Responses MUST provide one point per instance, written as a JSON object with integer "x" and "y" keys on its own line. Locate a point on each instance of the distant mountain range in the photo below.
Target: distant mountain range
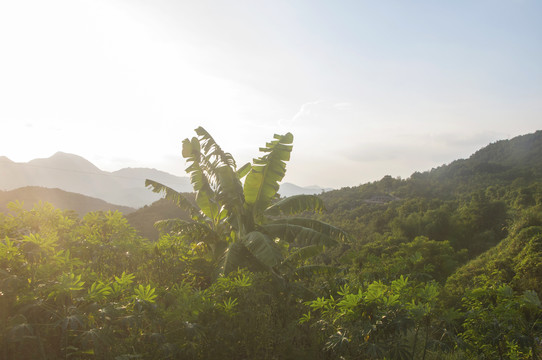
{"x": 126, "y": 187}
{"x": 355, "y": 208}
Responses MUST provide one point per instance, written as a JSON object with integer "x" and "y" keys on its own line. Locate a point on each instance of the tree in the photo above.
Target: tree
{"x": 502, "y": 324}
{"x": 244, "y": 224}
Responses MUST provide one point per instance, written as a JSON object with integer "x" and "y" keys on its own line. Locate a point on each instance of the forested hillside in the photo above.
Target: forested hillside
{"x": 144, "y": 218}
{"x": 446, "y": 264}
{"x": 467, "y": 208}
{"x": 454, "y": 202}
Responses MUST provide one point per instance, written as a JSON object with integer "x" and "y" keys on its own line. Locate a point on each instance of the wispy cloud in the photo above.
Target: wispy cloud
{"x": 304, "y": 110}
{"x": 317, "y": 111}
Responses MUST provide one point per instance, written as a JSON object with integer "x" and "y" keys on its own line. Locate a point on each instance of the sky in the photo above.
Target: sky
{"x": 368, "y": 88}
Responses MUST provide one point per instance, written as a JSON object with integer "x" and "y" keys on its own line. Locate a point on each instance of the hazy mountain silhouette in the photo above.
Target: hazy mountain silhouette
{"x": 74, "y": 173}
{"x": 289, "y": 189}
{"x": 81, "y": 204}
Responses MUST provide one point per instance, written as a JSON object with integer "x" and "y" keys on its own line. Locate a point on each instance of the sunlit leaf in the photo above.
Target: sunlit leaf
{"x": 295, "y": 205}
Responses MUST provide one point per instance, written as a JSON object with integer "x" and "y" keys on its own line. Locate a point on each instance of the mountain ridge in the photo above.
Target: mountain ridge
{"x": 29, "y": 196}
{"x": 74, "y": 173}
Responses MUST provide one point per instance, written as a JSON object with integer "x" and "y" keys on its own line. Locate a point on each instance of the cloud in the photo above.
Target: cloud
{"x": 307, "y": 109}
{"x": 319, "y": 113}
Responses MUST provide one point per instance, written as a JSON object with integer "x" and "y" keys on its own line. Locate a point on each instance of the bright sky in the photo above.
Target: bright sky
{"x": 368, "y": 88}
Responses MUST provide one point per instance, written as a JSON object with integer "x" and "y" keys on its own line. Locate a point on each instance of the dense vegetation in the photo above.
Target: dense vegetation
{"x": 444, "y": 265}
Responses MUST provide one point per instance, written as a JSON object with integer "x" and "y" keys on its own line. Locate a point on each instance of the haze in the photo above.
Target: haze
{"x": 368, "y": 88}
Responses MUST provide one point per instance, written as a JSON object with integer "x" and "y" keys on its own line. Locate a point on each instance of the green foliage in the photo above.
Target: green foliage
{"x": 294, "y": 205}
{"x": 444, "y": 265}
{"x": 262, "y": 182}
{"x": 501, "y": 324}
{"x": 232, "y": 219}
{"x": 375, "y": 320}
{"x": 56, "y": 303}
{"x": 516, "y": 261}
{"x": 144, "y": 293}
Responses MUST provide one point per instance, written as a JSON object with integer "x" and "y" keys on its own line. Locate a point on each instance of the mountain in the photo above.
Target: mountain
{"x": 289, "y": 189}
{"x": 361, "y": 208}
{"x": 134, "y": 191}
{"x": 469, "y": 202}
{"x": 75, "y": 174}
{"x": 126, "y": 186}
{"x": 497, "y": 164}
{"x": 525, "y": 149}
{"x": 60, "y": 199}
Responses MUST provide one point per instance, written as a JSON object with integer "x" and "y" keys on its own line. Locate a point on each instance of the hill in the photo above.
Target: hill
{"x": 467, "y": 202}
{"x": 143, "y": 219}
{"x": 74, "y": 173}
{"x": 516, "y": 260}
{"x": 501, "y": 163}
{"x": 446, "y": 264}
{"x": 470, "y": 204}
{"x": 61, "y": 199}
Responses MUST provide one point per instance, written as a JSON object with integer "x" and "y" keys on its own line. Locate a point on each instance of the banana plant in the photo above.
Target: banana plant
{"x": 237, "y": 212}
